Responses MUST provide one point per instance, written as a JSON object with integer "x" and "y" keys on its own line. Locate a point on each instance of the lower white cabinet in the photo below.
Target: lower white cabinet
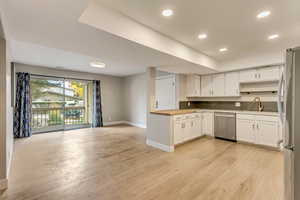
{"x": 179, "y": 127}
{"x": 208, "y": 123}
{"x": 191, "y": 126}
{"x": 262, "y": 130}
{"x": 245, "y": 130}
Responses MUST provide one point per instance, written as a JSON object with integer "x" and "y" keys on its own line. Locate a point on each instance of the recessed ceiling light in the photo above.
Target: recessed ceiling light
{"x": 263, "y": 14}
{"x": 167, "y": 12}
{"x": 223, "y": 49}
{"x": 272, "y": 37}
{"x": 97, "y": 64}
{"x": 202, "y": 36}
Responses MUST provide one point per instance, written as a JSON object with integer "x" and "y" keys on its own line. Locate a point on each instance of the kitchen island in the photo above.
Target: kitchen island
{"x": 168, "y": 128}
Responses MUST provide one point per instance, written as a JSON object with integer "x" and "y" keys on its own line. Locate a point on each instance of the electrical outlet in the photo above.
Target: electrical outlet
{"x": 237, "y": 104}
{"x": 109, "y": 118}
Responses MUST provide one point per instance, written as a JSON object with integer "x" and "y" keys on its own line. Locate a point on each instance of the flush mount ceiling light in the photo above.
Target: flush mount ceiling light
{"x": 97, "y": 64}
{"x": 263, "y": 14}
{"x": 272, "y": 37}
{"x": 223, "y": 49}
{"x": 167, "y": 12}
{"x": 202, "y": 36}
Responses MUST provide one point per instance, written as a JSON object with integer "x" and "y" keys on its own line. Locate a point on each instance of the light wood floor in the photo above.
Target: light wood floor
{"x": 114, "y": 163}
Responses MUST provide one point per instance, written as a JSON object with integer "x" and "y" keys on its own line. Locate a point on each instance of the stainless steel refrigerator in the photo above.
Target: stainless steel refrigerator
{"x": 289, "y": 109}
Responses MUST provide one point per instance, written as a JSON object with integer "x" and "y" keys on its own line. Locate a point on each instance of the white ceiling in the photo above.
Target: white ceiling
{"x": 232, "y": 24}
{"x": 48, "y": 33}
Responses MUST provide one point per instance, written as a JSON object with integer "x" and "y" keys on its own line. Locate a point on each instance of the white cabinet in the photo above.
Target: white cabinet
{"x": 248, "y": 76}
{"x": 245, "y": 129}
{"x": 165, "y": 94}
{"x": 258, "y": 129}
{"x": 267, "y": 133}
{"x": 260, "y": 75}
{"x": 206, "y": 86}
{"x": 190, "y": 126}
{"x": 193, "y": 86}
{"x": 232, "y": 85}
{"x": 268, "y": 73}
{"x": 178, "y": 132}
{"x": 218, "y": 89}
{"x": 208, "y": 123}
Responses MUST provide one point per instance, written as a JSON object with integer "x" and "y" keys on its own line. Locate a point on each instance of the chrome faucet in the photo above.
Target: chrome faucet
{"x": 260, "y": 106}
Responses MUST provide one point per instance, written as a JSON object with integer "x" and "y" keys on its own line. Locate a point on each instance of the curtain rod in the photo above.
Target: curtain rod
{"x": 59, "y": 77}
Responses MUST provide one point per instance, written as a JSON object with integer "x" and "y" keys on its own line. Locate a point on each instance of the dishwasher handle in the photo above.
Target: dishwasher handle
{"x": 224, "y": 115}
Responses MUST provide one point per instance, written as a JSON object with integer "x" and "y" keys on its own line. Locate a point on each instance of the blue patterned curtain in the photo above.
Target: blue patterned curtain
{"x": 22, "y": 112}
{"x": 98, "y": 121}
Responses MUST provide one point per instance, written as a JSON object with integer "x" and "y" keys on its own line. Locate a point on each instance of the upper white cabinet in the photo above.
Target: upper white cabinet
{"x": 248, "y": 76}
{"x": 229, "y": 84}
{"x": 218, "y": 82}
{"x": 193, "y": 86}
{"x": 260, "y": 75}
{"x": 232, "y": 84}
{"x": 165, "y": 93}
{"x": 269, "y": 73}
{"x": 206, "y": 86}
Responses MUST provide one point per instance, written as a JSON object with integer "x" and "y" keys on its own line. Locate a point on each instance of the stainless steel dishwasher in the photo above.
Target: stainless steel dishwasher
{"x": 225, "y": 125}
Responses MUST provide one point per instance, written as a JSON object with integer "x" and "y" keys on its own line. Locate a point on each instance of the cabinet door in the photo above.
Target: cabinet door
{"x": 268, "y": 74}
{"x": 232, "y": 85}
{"x": 248, "y": 76}
{"x": 188, "y": 130}
{"x": 218, "y": 85}
{"x": 207, "y": 124}
{"x": 245, "y": 130}
{"x": 197, "y": 127}
{"x": 193, "y": 86}
{"x": 165, "y": 93}
{"x": 178, "y": 132}
{"x": 206, "y": 86}
{"x": 267, "y": 133}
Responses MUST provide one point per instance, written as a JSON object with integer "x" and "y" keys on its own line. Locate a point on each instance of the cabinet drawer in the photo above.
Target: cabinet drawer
{"x": 267, "y": 118}
{"x": 178, "y": 117}
{"x": 246, "y": 117}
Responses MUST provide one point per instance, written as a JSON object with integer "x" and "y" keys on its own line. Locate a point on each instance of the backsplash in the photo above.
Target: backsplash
{"x": 228, "y": 105}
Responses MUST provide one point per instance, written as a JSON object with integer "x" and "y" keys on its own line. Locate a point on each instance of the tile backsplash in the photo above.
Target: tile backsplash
{"x": 228, "y": 105}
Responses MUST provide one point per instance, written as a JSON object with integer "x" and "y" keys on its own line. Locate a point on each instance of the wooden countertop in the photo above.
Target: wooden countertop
{"x": 188, "y": 111}
{"x": 173, "y": 112}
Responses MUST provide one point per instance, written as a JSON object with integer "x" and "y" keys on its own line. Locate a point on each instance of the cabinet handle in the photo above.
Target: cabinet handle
{"x": 156, "y": 104}
{"x": 192, "y": 123}
{"x": 257, "y": 126}
{"x": 182, "y": 125}
{"x": 258, "y": 75}
{"x": 253, "y": 126}
{"x": 255, "y": 75}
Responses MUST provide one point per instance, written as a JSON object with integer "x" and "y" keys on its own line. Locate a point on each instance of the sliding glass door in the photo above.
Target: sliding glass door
{"x": 60, "y": 104}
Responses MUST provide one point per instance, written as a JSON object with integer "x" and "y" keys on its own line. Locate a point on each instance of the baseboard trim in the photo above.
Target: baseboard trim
{"x": 157, "y": 145}
{"x": 124, "y": 122}
{"x": 136, "y": 125}
{"x": 113, "y": 123}
{"x": 3, "y": 184}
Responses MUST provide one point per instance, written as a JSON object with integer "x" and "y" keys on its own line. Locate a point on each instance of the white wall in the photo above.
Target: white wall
{"x": 9, "y": 112}
{"x": 135, "y": 99}
{"x": 6, "y": 114}
{"x": 111, "y": 86}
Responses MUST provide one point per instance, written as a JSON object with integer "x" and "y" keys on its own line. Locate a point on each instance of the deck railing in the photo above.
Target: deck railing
{"x": 47, "y": 117}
